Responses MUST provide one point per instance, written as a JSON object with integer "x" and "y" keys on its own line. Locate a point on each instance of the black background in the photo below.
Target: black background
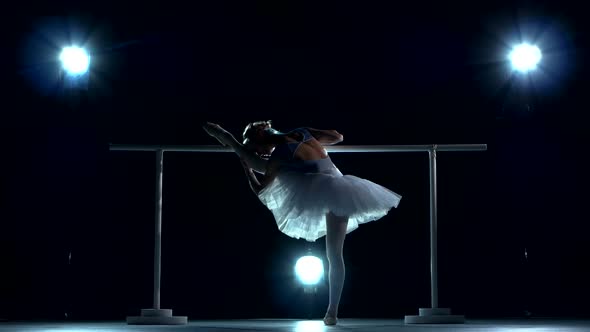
{"x": 378, "y": 72}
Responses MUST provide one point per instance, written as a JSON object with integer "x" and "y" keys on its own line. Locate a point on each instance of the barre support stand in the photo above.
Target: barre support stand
{"x": 155, "y": 315}
{"x": 433, "y": 315}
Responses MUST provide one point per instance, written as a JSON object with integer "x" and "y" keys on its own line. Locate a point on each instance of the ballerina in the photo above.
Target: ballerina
{"x": 307, "y": 194}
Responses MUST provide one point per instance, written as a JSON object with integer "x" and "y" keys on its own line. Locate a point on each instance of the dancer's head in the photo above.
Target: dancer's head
{"x": 257, "y": 137}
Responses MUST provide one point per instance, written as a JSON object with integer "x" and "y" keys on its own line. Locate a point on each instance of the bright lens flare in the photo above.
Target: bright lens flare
{"x": 525, "y": 57}
{"x": 309, "y": 270}
{"x": 74, "y": 60}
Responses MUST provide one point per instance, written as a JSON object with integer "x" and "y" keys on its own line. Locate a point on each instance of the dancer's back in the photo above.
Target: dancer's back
{"x": 301, "y": 145}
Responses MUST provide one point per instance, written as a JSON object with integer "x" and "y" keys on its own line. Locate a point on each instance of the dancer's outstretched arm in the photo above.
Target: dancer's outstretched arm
{"x": 227, "y": 139}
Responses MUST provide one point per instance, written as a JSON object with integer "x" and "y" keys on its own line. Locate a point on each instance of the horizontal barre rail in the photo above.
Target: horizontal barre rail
{"x": 332, "y": 148}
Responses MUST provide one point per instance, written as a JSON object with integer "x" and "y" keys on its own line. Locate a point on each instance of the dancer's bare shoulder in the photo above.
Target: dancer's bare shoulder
{"x": 326, "y": 137}
{"x": 311, "y": 150}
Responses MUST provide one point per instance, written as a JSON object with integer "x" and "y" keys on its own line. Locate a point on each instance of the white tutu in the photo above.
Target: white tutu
{"x": 303, "y": 192}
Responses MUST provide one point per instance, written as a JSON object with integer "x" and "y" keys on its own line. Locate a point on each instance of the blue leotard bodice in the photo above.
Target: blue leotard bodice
{"x": 286, "y": 151}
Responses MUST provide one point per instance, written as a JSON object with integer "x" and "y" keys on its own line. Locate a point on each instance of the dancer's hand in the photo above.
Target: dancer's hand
{"x": 213, "y": 129}
{"x": 216, "y": 131}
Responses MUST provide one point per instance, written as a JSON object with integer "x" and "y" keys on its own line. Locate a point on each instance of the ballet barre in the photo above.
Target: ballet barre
{"x": 432, "y": 315}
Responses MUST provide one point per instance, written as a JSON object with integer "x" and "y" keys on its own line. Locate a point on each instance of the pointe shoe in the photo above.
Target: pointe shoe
{"x": 329, "y": 320}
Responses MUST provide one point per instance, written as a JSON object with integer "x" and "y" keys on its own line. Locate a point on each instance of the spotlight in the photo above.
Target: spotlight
{"x": 75, "y": 63}
{"x": 75, "y": 60}
{"x": 309, "y": 270}
{"x": 525, "y": 57}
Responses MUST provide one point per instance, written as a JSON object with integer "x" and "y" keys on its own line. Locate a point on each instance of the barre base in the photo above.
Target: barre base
{"x": 434, "y": 316}
{"x": 157, "y": 317}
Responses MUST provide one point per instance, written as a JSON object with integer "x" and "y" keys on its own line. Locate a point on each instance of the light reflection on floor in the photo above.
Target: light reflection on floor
{"x": 288, "y": 325}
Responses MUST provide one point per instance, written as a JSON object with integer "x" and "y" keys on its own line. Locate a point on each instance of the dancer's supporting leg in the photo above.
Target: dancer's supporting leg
{"x": 336, "y": 232}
